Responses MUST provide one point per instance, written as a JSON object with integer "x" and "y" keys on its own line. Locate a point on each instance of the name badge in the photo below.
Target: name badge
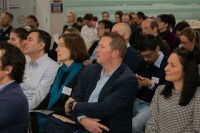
{"x": 155, "y": 80}
{"x": 66, "y": 90}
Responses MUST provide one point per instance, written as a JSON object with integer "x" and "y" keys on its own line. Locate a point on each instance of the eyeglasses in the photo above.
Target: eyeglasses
{"x": 148, "y": 55}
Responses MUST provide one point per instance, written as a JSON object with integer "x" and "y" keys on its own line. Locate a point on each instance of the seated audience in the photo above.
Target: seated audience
{"x": 118, "y": 16}
{"x": 13, "y": 102}
{"x": 175, "y": 105}
{"x": 150, "y": 26}
{"x": 103, "y": 26}
{"x": 32, "y": 22}
{"x": 6, "y": 26}
{"x": 71, "y": 52}
{"x": 105, "y": 15}
{"x": 71, "y": 21}
{"x": 80, "y": 23}
{"x": 190, "y": 40}
{"x": 164, "y": 22}
{"x": 40, "y": 70}
{"x": 103, "y": 99}
{"x": 18, "y": 37}
{"x": 149, "y": 75}
{"x": 180, "y": 26}
{"x": 88, "y": 32}
{"x": 178, "y": 29}
{"x": 140, "y": 17}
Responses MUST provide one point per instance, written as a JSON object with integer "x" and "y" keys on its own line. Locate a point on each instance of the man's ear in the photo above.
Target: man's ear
{"x": 8, "y": 69}
{"x": 126, "y": 35}
{"x": 42, "y": 45}
{"x": 115, "y": 53}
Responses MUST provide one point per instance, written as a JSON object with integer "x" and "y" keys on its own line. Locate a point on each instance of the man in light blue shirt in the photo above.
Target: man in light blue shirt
{"x": 41, "y": 70}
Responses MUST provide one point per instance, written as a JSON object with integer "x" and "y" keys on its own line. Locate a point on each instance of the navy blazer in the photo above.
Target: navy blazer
{"x": 13, "y": 109}
{"x": 132, "y": 59}
{"x": 115, "y": 103}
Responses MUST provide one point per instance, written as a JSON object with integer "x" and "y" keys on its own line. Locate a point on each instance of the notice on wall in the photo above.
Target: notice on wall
{"x": 56, "y": 7}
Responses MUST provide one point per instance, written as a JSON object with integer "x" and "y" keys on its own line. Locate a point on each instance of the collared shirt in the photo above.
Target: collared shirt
{"x": 4, "y": 85}
{"x": 93, "y": 56}
{"x": 38, "y": 78}
{"x": 128, "y": 45}
{"x": 157, "y": 63}
{"x": 101, "y": 82}
{"x": 89, "y": 35}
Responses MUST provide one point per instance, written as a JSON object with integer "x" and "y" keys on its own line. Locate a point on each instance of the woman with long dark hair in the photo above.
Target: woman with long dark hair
{"x": 176, "y": 105}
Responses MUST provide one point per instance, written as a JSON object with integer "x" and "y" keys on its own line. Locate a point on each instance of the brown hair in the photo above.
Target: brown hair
{"x": 75, "y": 43}
{"x": 191, "y": 34}
{"x": 118, "y": 42}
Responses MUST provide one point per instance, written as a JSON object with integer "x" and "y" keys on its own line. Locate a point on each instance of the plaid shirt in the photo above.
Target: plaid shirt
{"x": 169, "y": 117}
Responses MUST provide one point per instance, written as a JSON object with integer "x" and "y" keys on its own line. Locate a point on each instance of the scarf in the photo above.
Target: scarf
{"x": 55, "y": 91}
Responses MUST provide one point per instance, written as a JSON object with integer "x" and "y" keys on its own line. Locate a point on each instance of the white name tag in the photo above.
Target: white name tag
{"x": 67, "y": 91}
{"x": 155, "y": 80}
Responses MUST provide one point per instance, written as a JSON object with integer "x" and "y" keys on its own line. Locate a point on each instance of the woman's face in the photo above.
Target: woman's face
{"x": 15, "y": 40}
{"x": 174, "y": 69}
{"x": 186, "y": 43}
{"x": 63, "y": 53}
{"x": 161, "y": 25}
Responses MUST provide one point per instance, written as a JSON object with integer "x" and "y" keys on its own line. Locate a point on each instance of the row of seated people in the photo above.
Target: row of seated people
{"x": 87, "y": 103}
{"x": 41, "y": 71}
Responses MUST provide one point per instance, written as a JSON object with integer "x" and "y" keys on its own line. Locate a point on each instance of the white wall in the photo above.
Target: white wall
{"x": 50, "y": 22}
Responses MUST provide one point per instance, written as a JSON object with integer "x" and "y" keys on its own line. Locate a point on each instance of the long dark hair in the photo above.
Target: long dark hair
{"x": 190, "y": 77}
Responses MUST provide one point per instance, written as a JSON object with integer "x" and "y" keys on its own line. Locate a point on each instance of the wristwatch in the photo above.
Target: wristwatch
{"x": 70, "y": 105}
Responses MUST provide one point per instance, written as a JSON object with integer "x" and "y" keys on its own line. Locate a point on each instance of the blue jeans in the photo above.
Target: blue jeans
{"x": 140, "y": 115}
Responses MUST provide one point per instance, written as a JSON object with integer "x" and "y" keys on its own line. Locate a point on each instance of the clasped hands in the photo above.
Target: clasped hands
{"x": 90, "y": 124}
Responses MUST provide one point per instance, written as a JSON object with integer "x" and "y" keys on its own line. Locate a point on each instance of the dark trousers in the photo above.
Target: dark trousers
{"x": 55, "y": 125}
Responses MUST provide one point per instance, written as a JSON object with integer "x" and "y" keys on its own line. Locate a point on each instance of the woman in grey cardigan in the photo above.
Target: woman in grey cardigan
{"x": 175, "y": 107}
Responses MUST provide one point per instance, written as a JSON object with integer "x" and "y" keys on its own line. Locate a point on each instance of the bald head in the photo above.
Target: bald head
{"x": 149, "y": 26}
{"x": 123, "y": 29}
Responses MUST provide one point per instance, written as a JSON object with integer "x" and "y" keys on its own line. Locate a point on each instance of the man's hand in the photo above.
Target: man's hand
{"x": 142, "y": 81}
{"x": 87, "y": 62}
{"x": 67, "y": 110}
{"x": 92, "y": 125}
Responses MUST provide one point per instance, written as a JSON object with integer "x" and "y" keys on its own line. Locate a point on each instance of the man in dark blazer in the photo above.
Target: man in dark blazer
{"x": 102, "y": 100}
{"x": 13, "y": 102}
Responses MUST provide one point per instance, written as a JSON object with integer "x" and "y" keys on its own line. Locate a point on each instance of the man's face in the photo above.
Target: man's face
{"x": 2, "y": 71}
{"x": 117, "y": 18}
{"x": 70, "y": 18}
{"x": 146, "y": 29}
{"x": 149, "y": 56}
{"x": 100, "y": 30}
{"x": 104, "y": 51}
{"x": 125, "y": 19}
{"x": 32, "y": 45}
{"x": 105, "y": 16}
{"x": 5, "y": 20}
{"x": 30, "y": 22}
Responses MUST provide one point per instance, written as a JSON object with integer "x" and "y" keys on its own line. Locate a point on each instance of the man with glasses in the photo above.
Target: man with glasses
{"x": 149, "y": 76}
